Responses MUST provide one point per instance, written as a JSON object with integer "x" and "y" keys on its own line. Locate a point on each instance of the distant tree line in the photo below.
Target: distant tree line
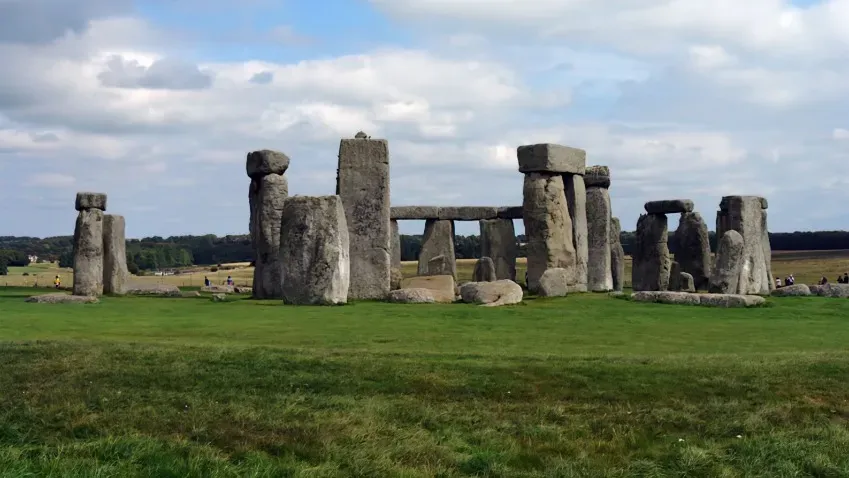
{"x": 154, "y": 253}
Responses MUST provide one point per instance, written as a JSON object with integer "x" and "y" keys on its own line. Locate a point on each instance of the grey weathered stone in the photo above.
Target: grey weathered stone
{"x": 675, "y": 277}
{"x": 484, "y": 270}
{"x": 706, "y": 300}
{"x": 687, "y": 284}
{"x": 160, "y": 290}
{"x": 670, "y": 206}
{"x": 725, "y": 277}
{"x": 551, "y": 158}
{"x": 442, "y": 288}
{"x": 548, "y": 227}
{"x": 395, "y": 278}
{"x": 617, "y": 255}
{"x": 440, "y": 266}
{"x": 88, "y": 253}
{"x": 510, "y": 212}
{"x": 492, "y": 294}
{"x": 363, "y": 185}
{"x": 115, "y": 273}
{"x": 264, "y": 162}
{"x": 599, "y": 266}
{"x": 597, "y": 177}
{"x": 268, "y": 194}
{"x": 411, "y": 296}
{"x": 498, "y": 242}
{"x": 666, "y": 297}
{"x": 414, "y": 213}
{"x": 554, "y": 283}
{"x": 361, "y": 135}
{"x": 576, "y": 198}
{"x": 438, "y": 240}
{"x": 730, "y": 300}
{"x": 60, "y": 298}
{"x": 314, "y": 251}
{"x": 218, "y": 289}
{"x": 219, "y": 297}
{"x": 651, "y": 261}
{"x": 87, "y": 200}
{"x": 745, "y": 215}
{"x": 395, "y": 274}
{"x": 467, "y": 213}
{"x": 831, "y": 290}
{"x": 795, "y": 290}
{"x": 693, "y": 248}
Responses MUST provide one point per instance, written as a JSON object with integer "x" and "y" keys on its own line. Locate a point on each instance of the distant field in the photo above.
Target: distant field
{"x": 806, "y": 266}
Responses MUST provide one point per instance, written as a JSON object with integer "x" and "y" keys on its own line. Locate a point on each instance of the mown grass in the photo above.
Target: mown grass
{"x": 582, "y": 386}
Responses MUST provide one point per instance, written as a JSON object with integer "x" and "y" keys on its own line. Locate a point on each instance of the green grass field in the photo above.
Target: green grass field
{"x": 580, "y": 386}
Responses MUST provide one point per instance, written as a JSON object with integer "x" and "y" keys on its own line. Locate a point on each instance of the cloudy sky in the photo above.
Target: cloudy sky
{"x": 157, "y": 102}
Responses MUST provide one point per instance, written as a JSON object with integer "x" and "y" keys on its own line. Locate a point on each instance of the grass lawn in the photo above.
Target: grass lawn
{"x": 582, "y": 386}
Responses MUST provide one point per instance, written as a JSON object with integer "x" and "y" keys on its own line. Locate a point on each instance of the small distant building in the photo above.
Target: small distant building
{"x": 33, "y": 259}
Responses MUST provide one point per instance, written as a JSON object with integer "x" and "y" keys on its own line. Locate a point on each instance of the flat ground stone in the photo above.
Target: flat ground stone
{"x": 551, "y": 158}
{"x": 599, "y": 272}
{"x": 729, "y": 260}
{"x": 840, "y": 291}
{"x": 492, "y": 294}
{"x": 498, "y": 242}
{"x": 268, "y": 194}
{"x": 266, "y": 161}
{"x": 795, "y": 290}
{"x": 666, "y": 297}
{"x": 651, "y": 261}
{"x": 115, "y": 273}
{"x": 617, "y": 255}
{"x": 314, "y": 251}
{"x": 693, "y": 248}
{"x": 88, "y": 253}
{"x": 438, "y": 240}
{"x": 218, "y": 289}
{"x": 484, "y": 270}
{"x": 554, "y": 283}
{"x": 62, "y": 299}
{"x": 548, "y": 227}
{"x": 411, "y": 296}
{"x": 441, "y": 287}
{"x": 87, "y": 200}
{"x": 597, "y": 177}
{"x": 669, "y": 206}
{"x": 576, "y": 198}
{"x": 730, "y": 300}
{"x": 161, "y": 290}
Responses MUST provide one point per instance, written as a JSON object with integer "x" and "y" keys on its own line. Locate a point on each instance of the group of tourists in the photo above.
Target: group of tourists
{"x": 844, "y": 279}
{"x": 207, "y": 282}
{"x": 789, "y": 280}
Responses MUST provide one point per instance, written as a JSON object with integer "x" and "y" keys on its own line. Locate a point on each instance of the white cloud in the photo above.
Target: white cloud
{"x": 51, "y": 180}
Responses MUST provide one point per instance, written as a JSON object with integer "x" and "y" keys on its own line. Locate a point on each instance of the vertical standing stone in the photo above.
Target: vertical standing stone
{"x": 438, "y": 240}
{"x": 617, "y": 255}
{"x": 115, "y": 273}
{"x": 88, "y": 244}
{"x": 747, "y": 216}
{"x": 363, "y": 185}
{"x": 484, "y": 270}
{"x": 675, "y": 277}
{"x": 693, "y": 248}
{"x": 267, "y": 194}
{"x": 548, "y": 227}
{"x": 725, "y": 276}
{"x": 498, "y": 242}
{"x": 598, "y": 213}
{"x": 576, "y": 197}
{"x": 395, "y": 275}
{"x": 651, "y": 254}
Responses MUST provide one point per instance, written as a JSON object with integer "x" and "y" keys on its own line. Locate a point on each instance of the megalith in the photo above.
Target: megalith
{"x": 314, "y": 251}
{"x": 599, "y": 267}
{"x": 438, "y": 240}
{"x": 88, "y": 244}
{"x": 498, "y": 242}
{"x": 363, "y": 185}
{"x": 747, "y": 216}
{"x": 725, "y": 277}
{"x": 693, "y": 248}
{"x": 484, "y": 270}
{"x": 617, "y": 255}
{"x": 267, "y": 194}
{"x": 675, "y": 277}
{"x": 115, "y": 273}
{"x": 548, "y": 217}
{"x": 651, "y": 261}
{"x": 576, "y": 197}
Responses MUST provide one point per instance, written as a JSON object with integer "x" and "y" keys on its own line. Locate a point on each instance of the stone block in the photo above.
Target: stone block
{"x": 548, "y": 227}
{"x": 86, "y": 200}
{"x": 597, "y": 177}
{"x": 576, "y": 198}
{"x": 670, "y": 206}
{"x": 599, "y": 268}
{"x": 467, "y": 213}
{"x": 498, "y": 242}
{"x": 268, "y": 194}
{"x": 438, "y": 240}
{"x": 651, "y": 260}
{"x": 551, "y": 158}
{"x": 266, "y": 161}
{"x": 88, "y": 253}
{"x": 115, "y": 273}
{"x": 414, "y": 213}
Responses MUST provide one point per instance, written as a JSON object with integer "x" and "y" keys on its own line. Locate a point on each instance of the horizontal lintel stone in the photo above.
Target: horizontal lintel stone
{"x": 551, "y": 158}
{"x": 454, "y": 213}
{"x": 669, "y": 206}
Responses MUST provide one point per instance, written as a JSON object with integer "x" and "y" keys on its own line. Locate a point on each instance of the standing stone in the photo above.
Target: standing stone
{"x": 746, "y": 215}
{"x": 439, "y": 266}
{"x": 576, "y": 197}
{"x": 484, "y": 270}
{"x": 617, "y": 255}
{"x": 395, "y": 274}
{"x": 498, "y": 242}
{"x": 363, "y": 185}
{"x": 725, "y": 277}
{"x": 438, "y": 240}
{"x": 268, "y": 194}
{"x": 693, "y": 251}
{"x": 651, "y": 259}
{"x": 675, "y": 277}
{"x": 115, "y": 273}
{"x": 314, "y": 251}
{"x": 88, "y": 253}
{"x": 598, "y": 214}
{"x": 548, "y": 227}
{"x": 687, "y": 283}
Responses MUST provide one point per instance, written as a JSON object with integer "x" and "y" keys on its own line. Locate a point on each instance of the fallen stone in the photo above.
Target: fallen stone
{"x": 554, "y": 283}
{"x": 548, "y": 228}
{"x": 484, "y": 270}
{"x": 492, "y": 294}
{"x": 617, "y": 255}
{"x": 745, "y": 215}
{"x": 215, "y": 288}
{"x": 705, "y": 300}
{"x": 651, "y": 261}
{"x": 576, "y": 199}
{"x": 597, "y": 177}
{"x": 728, "y": 263}
{"x": 467, "y": 213}
{"x": 671, "y": 206}
{"x": 498, "y": 242}
{"x": 265, "y": 162}
{"x": 88, "y": 253}
{"x": 243, "y": 290}
{"x": 219, "y": 297}
{"x": 411, "y": 296}
{"x": 551, "y": 158}
{"x": 510, "y": 212}
{"x": 439, "y": 266}
{"x": 438, "y": 240}
{"x": 161, "y": 290}
{"x": 599, "y": 268}
{"x": 840, "y": 291}
{"x": 414, "y": 213}
{"x": 269, "y": 193}
{"x": 666, "y": 297}
{"x": 115, "y": 273}
{"x": 86, "y": 200}
{"x": 730, "y": 300}
{"x": 60, "y": 298}
{"x": 693, "y": 251}
{"x": 441, "y": 287}
{"x": 687, "y": 283}
{"x": 795, "y": 290}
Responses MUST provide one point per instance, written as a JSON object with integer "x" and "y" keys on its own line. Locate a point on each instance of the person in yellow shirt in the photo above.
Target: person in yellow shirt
{"x": 57, "y": 282}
